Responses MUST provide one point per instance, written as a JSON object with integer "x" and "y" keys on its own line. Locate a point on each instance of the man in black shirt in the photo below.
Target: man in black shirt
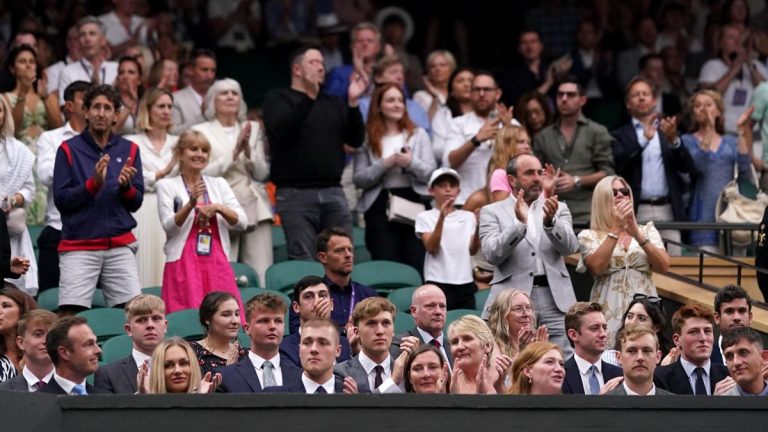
{"x": 307, "y": 130}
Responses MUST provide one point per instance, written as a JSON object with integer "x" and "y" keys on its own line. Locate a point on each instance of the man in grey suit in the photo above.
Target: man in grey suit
{"x": 145, "y": 323}
{"x": 373, "y": 369}
{"x": 526, "y": 237}
{"x": 188, "y": 102}
{"x": 638, "y": 354}
{"x": 38, "y": 367}
{"x": 428, "y": 308}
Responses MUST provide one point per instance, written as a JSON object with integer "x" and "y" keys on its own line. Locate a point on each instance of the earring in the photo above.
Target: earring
{"x": 530, "y": 381}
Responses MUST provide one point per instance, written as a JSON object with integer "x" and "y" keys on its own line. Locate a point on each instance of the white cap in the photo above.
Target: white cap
{"x": 444, "y": 171}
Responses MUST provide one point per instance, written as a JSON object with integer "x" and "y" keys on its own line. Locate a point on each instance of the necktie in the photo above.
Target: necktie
{"x": 269, "y": 374}
{"x": 436, "y": 343}
{"x": 701, "y": 389}
{"x": 377, "y": 381}
{"x": 321, "y": 390}
{"x": 594, "y": 384}
{"x": 39, "y": 385}
{"x": 79, "y": 390}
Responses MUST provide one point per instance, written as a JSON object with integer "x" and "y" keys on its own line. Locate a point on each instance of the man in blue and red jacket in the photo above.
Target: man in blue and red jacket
{"x": 97, "y": 184}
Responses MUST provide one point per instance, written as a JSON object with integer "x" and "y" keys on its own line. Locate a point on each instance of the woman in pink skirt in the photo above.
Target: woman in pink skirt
{"x": 196, "y": 212}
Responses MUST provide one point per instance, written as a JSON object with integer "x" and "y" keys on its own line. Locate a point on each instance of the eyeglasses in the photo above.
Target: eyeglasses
{"x": 649, "y": 299}
{"x": 518, "y": 310}
{"x": 483, "y": 89}
{"x": 623, "y": 191}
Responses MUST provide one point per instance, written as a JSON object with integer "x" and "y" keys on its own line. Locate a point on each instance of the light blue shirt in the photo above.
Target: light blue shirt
{"x": 690, "y": 370}
{"x": 654, "y": 182}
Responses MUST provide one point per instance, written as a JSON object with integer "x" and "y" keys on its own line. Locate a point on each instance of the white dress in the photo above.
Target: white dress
{"x": 149, "y": 232}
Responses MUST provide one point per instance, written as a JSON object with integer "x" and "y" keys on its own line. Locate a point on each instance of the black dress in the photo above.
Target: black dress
{"x": 209, "y": 361}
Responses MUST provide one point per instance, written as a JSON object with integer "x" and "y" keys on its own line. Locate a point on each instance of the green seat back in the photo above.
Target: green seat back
{"x": 105, "y": 322}
{"x": 283, "y": 276}
{"x": 185, "y": 324}
{"x": 116, "y": 348}
{"x": 385, "y": 276}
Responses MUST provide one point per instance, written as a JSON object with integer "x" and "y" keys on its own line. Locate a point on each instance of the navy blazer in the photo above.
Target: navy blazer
{"x": 241, "y": 377}
{"x": 395, "y": 349}
{"x": 674, "y": 379}
{"x": 289, "y": 349}
{"x": 572, "y": 383}
{"x": 298, "y": 387}
{"x": 53, "y": 387}
{"x": 118, "y": 377}
{"x": 628, "y": 160}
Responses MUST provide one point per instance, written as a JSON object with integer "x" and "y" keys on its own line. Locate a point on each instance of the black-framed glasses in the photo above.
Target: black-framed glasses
{"x": 623, "y": 191}
{"x": 649, "y": 299}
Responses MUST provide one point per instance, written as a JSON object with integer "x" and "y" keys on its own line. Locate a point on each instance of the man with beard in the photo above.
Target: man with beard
{"x": 527, "y": 236}
{"x": 638, "y": 355}
{"x": 307, "y": 131}
{"x": 587, "y": 332}
{"x": 645, "y": 148}
{"x": 580, "y": 148}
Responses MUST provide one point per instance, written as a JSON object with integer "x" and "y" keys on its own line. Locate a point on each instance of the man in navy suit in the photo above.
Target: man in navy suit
{"x": 263, "y": 367}
{"x": 693, "y": 373}
{"x": 145, "y": 323}
{"x": 319, "y": 350}
{"x": 587, "y": 332}
{"x": 311, "y": 300}
{"x": 638, "y": 354}
{"x": 38, "y": 368}
{"x": 428, "y": 308}
{"x": 650, "y": 157}
{"x": 733, "y": 309}
{"x": 74, "y": 352}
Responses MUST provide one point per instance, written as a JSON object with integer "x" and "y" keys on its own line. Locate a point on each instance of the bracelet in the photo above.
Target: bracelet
{"x": 644, "y": 242}
{"x": 613, "y": 236}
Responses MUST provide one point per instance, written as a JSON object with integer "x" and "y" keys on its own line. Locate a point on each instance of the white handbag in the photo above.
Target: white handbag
{"x": 733, "y": 206}
{"x": 402, "y": 210}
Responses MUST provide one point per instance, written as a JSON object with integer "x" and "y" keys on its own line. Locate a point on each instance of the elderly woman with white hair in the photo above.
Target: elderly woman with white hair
{"x": 237, "y": 154}
{"x": 17, "y": 190}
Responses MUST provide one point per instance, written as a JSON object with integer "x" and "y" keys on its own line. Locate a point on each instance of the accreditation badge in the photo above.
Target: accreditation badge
{"x": 204, "y": 243}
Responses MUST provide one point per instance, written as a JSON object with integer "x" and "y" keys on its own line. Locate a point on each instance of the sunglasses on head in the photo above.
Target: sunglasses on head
{"x": 650, "y": 299}
{"x": 623, "y": 191}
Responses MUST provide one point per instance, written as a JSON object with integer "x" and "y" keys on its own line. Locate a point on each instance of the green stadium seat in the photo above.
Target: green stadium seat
{"x": 116, "y": 348}
{"x": 34, "y": 233}
{"x": 283, "y": 276}
{"x": 455, "y": 314}
{"x": 401, "y": 298}
{"x": 153, "y": 290}
{"x": 403, "y": 322}
{"x": 358, "y": 240}
{"x": 49, "y": 299}
{"x": 279, "y": 247}
{"x": 480, "y": 298}
{"x": 185, "y": 324}
{"x": 105, "y": 322}
{"x": 241, "y": 269}
{"x": 385, "y": 276}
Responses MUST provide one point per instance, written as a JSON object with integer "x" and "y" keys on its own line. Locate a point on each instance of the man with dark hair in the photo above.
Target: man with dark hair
{"x": 188, "y": 102}
{"x": 580, "y": 148}
{"x": 311, "y": 300}
{"x": 693, "y": 373}
{"x": 38, "y": 369}
{"x": 652, "y": 68}
{"x": 97, "y": 184}
{"x": 74, "y": 352}
{"x": 93, "y": 66}
{"x": 587, "y": 331}
{"x": 264, "y": 367}
{"x": 307, "y": 130}
{"x": 648, "y": 154}
{"x": 745, "y": 356}
{"x": 733, "y": 309}
{"x": 533, "y": 72}
{"x": 47, "y": 145}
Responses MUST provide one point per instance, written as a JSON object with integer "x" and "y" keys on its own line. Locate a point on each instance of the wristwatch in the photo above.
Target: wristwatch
{"x": 475, "y": 142}
{"x": 577, "y": 181}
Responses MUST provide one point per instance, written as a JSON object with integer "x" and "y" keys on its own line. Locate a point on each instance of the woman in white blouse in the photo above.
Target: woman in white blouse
{"x": 156, "y": 147}
{"x": 237, "y": 154}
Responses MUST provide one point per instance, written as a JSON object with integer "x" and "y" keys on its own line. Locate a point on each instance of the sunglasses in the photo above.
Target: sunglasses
{"x": 623, "y": 191}
{"x": 649, "y": 299}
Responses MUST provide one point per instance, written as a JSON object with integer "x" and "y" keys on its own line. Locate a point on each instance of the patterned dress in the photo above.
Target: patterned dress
{"x": 7, "y": 369}
{"x": 209, "y": 361}
{"x": 629, "y": 273}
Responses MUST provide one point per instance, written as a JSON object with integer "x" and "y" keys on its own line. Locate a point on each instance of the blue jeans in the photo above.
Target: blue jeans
{"x": 306, "y": 212}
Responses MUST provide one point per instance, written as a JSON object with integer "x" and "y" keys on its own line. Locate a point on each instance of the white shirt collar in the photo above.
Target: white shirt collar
{"x": 32, "y": 379}
{"x": 427, "y": 338}
{"x": 311, "y": 386}
{"x": 652, "y": 392}
{"x": 369, "y": 364}
{"x": 584, "y": 365}
{"x": 690, "y": 368}
{"x": 66, "y": 384}
{"x": 139, "y": 357}
{"x": 258, "y": 361}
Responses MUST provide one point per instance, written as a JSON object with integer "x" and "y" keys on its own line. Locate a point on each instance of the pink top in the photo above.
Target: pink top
{"x": 499, "y": 181}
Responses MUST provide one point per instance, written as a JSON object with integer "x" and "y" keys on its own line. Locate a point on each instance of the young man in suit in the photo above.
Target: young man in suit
{"x": 587, "y": 332}
{"x": 638, "y": 354}
{"x": 373, "y": 369}
{"x": 733, "y": 309}
{"x": 38, "y": 368}
{"x": 428, "y": 308}
{"x": 75, "y": 355}
{"x": 527, "y": 237}
{"x": 145, "y": 323}
{"x": 693, "y": 372}
{"x": 311, "y": 300}
{"x": 745, "y": 356}
{"x": 264, "y": 367}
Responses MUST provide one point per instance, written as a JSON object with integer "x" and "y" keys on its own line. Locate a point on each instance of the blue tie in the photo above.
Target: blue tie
{"x": 700, "y": 389}
{"x": 79, "y": 390}
{"x": 594, "y": 384}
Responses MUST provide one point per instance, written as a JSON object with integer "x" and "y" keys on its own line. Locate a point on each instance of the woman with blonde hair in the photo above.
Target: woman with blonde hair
{"x": 175, "y": 370}
{"x": 618, "y": 253}
{"x": 510, "y": 141}
{"x": 512, "y": 321}
{"x": 156, "y": 146}
{"x": 538, "y": 370}
{"x": 477, "y": 369}
{"x": 440, "y": 67}
{"x": 238, "y": 155}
